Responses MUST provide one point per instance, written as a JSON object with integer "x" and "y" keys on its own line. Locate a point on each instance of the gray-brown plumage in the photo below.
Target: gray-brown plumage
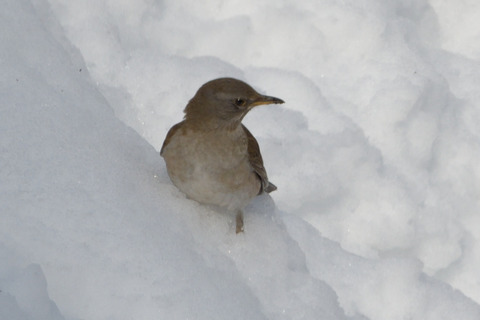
{"x": 211, "y": 156}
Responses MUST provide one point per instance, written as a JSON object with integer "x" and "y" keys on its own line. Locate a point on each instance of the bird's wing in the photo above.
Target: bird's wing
{"x": 256, "y": 161}
{"x": 170, "y": 134}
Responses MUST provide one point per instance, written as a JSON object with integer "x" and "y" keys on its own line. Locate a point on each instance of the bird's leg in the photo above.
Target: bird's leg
{"x": 239, "y": 221}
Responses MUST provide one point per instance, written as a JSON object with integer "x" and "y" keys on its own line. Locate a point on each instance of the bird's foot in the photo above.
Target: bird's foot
{"x": 239, "y": 222}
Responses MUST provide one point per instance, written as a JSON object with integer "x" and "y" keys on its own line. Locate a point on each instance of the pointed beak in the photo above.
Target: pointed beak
{"x": 266, "y": 100}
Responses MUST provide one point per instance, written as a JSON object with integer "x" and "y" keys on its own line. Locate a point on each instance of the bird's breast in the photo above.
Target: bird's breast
{"x": 212, "y": 167}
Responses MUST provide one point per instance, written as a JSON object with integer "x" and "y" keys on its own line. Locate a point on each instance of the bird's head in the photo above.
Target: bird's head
{"x": 224, "y": 102}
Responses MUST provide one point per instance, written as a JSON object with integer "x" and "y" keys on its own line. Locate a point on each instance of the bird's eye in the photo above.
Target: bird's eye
{"x": 239, "y": 102}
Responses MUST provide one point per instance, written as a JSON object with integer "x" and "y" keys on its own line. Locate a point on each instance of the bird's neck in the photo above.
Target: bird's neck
{"x": 211, "y": 124}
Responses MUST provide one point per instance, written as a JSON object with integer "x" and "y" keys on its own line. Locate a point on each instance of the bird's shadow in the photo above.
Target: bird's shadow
{"x": 261, "y": 207}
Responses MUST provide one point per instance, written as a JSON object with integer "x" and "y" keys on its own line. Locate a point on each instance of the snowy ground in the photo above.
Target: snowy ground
{"x": 376, "y": 155}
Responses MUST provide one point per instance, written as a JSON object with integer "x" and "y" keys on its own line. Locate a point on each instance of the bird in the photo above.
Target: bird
{"x": 211, "y": 156}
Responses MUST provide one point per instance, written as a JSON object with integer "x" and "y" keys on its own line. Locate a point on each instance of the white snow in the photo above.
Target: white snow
{"x": 376, "y": 155}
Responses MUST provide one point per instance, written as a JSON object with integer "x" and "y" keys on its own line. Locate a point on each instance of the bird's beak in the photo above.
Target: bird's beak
{"x": 266, "y": 100}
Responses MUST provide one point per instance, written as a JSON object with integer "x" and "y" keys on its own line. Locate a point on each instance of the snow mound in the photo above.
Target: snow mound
{"x": 375, "y": 155}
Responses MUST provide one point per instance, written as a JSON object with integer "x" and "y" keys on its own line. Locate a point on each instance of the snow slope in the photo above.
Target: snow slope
{"x": 375, "y": 155}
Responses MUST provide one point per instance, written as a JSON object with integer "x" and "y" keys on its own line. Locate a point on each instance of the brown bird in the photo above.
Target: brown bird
{"x": 211, "y": 156}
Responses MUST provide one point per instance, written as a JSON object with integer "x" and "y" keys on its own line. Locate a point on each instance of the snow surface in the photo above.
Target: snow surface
{"x": 376, "y": 155}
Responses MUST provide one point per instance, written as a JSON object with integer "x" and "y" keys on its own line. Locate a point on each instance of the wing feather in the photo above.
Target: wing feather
{"x": 170, "y": 134}
{"x": 255, "y": 158}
